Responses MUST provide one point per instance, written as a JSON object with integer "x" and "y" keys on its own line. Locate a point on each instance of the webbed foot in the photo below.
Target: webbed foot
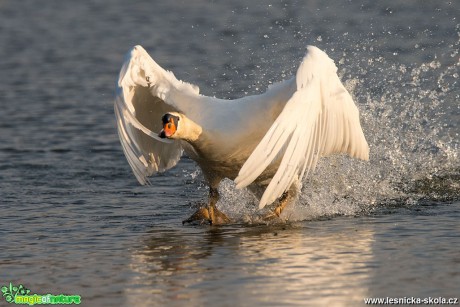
{"x": 207, "y": 215}
{"x": 276, "y": 213}
{"x": 200, "y": 216}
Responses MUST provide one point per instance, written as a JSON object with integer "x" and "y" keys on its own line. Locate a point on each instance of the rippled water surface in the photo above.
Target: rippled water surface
{"x": 74, "y": 220}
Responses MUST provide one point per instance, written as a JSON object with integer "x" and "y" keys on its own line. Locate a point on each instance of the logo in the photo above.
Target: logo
{"x": 21, "y": 295}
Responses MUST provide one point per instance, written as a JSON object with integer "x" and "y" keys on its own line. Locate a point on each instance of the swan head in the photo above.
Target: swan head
{"x": 170, "y": 125}
{"x": 178, "y": 126}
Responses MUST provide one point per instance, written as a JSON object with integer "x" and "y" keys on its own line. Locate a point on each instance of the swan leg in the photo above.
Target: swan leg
{"x": 217, "y": 217}
{"x": 284, "y": 200}
{"x": 209, "y": 214}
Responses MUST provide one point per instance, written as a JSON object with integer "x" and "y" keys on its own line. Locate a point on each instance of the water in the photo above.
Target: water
{"x": 74, "y": 220}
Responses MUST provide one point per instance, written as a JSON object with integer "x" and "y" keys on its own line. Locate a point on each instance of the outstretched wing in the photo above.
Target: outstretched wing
{"x": 319, "y": 119}
{"x": 146, "y": 92}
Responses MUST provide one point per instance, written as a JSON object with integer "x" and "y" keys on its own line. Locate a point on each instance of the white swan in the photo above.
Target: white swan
{"x": 266, "y": 142}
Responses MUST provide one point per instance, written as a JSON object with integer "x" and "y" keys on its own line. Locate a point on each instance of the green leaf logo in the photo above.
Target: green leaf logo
{"x": 10, "y": 292}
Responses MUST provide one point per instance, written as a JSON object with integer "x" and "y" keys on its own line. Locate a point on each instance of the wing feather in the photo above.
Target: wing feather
{"x": 319, "y": 119}
{"x": 146, "y": 92}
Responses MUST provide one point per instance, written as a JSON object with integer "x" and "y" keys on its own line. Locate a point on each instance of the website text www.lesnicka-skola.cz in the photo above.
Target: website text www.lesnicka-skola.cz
{"x": 411, "y": 301}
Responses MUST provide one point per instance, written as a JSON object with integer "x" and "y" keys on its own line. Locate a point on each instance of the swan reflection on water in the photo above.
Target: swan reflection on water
{"x": 277, "y": 264}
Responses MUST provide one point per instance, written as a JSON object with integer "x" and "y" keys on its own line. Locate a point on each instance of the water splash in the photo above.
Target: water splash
{"x": 411, "y": 119}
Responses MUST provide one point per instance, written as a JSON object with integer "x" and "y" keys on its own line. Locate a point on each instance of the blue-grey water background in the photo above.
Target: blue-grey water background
{"x": 74, "y": 220}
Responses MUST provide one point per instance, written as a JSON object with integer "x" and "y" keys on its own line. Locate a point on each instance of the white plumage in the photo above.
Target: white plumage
{"x": 270, "y": 141}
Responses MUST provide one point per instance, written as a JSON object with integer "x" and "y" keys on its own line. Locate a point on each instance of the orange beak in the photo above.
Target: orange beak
{"x": 169, "y": 128}
{"x": 170, "y": 123}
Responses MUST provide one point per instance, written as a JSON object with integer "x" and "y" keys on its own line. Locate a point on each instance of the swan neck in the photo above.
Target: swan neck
{"x": 192, "y": 130}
